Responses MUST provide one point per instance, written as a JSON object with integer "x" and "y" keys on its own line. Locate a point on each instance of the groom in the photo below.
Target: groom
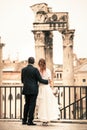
{"x": 30, "y": 77}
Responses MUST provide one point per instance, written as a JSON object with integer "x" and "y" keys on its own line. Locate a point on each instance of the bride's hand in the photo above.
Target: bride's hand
{"x": 50, "y": 82}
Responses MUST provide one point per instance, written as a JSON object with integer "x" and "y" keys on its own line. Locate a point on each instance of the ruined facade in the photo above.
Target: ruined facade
{"x": 45, "y": 23}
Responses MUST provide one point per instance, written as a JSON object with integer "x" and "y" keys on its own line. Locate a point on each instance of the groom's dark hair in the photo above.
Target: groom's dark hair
{"x": 31, "y": 60}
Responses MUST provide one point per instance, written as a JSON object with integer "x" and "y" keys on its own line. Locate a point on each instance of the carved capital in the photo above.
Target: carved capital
{"x": 68, "y": 38}
{"x": 69, "y": 34}
{"x": 39, "y": 36}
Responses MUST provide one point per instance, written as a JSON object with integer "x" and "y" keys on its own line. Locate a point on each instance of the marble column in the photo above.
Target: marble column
{"x": 49, "y": 50}
{"x": 44, "y": 47}
{"x": 39, "y": 45}
{"x": 68, "y": 69}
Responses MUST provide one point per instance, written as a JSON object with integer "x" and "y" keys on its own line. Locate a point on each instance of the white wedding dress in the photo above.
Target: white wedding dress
{"x": 48, "y": 108}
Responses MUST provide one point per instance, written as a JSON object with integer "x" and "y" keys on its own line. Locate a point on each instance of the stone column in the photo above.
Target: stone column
{"x": 1, "y": 45}
{"x": 49, "y": 50}
{"x": 39, "y": 45}
{"x": 68, "y": 70}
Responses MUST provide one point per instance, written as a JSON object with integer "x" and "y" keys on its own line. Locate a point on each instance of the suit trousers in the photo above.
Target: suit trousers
{"x": 29, "y": 107}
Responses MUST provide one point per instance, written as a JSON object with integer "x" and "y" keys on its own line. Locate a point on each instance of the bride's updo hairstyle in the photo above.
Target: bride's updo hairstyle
{"x": 42, "y": 64}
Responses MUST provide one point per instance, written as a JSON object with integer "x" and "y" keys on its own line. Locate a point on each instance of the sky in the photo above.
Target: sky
{"x": 16, "y": 19}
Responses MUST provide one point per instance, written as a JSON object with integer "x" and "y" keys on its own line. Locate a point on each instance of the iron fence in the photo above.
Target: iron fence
{"x": 72, "y": 101}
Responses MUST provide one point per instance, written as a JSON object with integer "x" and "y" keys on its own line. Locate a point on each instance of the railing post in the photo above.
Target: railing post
{"x": 1, "y": 45}
{"x": 0, "y": 102}
{"x": 86, "y": 102}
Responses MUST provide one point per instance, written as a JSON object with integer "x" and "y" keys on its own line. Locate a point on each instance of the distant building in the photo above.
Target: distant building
{"x": 80, "y": 72}
{"x": 12, "y": 72}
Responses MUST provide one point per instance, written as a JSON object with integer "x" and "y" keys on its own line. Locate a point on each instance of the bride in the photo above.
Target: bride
{"x": 48, "y": 109}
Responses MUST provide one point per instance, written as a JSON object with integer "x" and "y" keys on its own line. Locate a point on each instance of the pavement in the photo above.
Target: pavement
{"x": 57, "y": 125}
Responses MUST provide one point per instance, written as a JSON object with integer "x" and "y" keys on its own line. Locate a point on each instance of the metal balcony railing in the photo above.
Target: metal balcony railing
{"x": 71, "y": 99}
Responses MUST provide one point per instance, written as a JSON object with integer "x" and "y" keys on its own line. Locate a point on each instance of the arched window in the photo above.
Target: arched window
{"x": 10, "y": 97}
{"x": 18, "y": 96}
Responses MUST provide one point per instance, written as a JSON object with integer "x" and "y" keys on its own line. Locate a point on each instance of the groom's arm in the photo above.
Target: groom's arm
{"x": 39, "y": 78}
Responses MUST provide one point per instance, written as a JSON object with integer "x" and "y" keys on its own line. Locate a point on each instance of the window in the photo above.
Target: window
{"x": 60, "y": 76}
{"x": 74, "y": 80}
{"x": 18, "y": 96}
{"x": 57, "y": 75}
{"x": 10, "y": 97}
{"x": 84, "y": 80}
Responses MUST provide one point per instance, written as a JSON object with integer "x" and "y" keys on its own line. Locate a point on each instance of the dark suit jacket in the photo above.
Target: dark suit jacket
{"x": 30, "y": 77}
